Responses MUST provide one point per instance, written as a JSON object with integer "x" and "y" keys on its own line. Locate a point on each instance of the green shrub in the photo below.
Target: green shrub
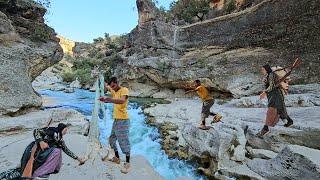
{"x": 188, "y": 9}
{"x": 40, "y": 33}
{"x": 230, "y": 6}
{"x": 68, "y": 76}
{"x": 162, "y": 66}
{"x": 84, "y": 76}
{"x": 202, "y": 62}
{"x": 97, "y": 40}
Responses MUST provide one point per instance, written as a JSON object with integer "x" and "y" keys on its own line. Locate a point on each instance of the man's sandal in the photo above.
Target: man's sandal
{"x": 114, "y": 160}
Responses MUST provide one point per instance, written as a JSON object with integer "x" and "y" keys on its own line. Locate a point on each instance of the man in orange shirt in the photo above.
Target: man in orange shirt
{"x": 208, "y": 102}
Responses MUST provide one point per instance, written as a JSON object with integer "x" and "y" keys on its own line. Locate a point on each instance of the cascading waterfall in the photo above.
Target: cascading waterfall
{"x": 152, "y": 35}
{"x": 175, "y": 33}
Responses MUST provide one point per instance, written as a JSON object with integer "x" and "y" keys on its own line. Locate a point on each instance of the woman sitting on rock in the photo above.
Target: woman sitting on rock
{"x": 276, "y": 104}
{"x": 43, "y": 156}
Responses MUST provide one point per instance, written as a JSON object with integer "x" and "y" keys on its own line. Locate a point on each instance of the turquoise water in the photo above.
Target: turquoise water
{"x": 145, "y": 140}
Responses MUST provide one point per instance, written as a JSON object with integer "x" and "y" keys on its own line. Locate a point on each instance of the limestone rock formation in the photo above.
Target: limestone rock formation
{"x": 27, "y": 47}
{"x": 67, "y": 45}
{"x": 293, "y": 162}
{"x": 147, "y": 11}
{"x": 225, "y": 52}
{"x": 46, "y": 78}
{"x": 231, "y": 147}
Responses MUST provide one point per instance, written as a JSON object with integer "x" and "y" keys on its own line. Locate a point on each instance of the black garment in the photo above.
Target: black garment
{"x": 275, "y": 95}
{"x": 267, "y": 67}
{"x": 128, "y": 158}
{"x": 53, "y": 137}
{"x": 12, "y": 174}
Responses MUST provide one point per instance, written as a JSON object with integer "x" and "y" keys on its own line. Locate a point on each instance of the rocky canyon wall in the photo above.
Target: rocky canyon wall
{"x": 27, "y": 47}
{"x": 225, "y": 52}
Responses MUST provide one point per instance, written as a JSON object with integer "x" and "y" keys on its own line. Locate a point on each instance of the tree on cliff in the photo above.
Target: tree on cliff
{"x": 188, "y": 9}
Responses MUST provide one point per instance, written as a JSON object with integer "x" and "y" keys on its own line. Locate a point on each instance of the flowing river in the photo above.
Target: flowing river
{"x": 145, "y": 140}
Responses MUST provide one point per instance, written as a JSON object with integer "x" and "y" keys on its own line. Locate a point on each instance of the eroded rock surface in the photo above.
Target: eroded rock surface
{"x": 225, "y": 52}
{"x": 27, "y": 47}
{"x": 226, "y": 149}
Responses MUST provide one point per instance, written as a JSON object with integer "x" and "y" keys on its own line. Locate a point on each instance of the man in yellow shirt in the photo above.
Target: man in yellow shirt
{"x": 208, "y": 102}
{"x": 121, "y": 124}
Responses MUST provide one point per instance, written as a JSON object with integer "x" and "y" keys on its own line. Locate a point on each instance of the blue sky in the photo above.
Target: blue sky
{"x": 84, "y": 20}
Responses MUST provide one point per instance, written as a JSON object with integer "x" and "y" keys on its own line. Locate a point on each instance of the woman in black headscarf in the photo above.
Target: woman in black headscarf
{"x": 276, "y": 104}
{"x": 43, "y": 156}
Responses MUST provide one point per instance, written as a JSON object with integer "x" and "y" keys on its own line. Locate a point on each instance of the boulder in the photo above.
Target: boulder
{"x": 92, "y": 88}
{"x": 68, "y": 90}
{"x": 262, "y": 154}
{"x": 20, "y": 124}
{"x": 58, "y": 88}
{"x": 214, "y": 144}
{"x": 75, "y": 84}
{"x": 46, "y": 78}
{"x": 279, "y": 137}
{"x": 27, "y": 47}
{"x": 293, "y": 162}
{"x": 239, "y": 172}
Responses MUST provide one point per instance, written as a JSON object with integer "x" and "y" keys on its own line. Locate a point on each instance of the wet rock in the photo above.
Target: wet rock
{"x": 92, "y": 88}
{"x": 68, "y": 90}
{"x": 58, "y": 88}
{"x": 293, "y": 162}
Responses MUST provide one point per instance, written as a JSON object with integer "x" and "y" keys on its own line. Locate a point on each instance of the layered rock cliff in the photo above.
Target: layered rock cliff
{"x": 67, "y": 45}
{"x": 225, "y": 52}
{"x": 27, "y": 47}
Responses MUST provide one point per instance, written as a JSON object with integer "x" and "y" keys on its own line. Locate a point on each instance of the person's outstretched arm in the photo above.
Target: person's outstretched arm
{"x": 66, "y": 150}
{"x": 124, "y": 97}
{"x": 114, "y": 100}
{"x": 190, "y": 91}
